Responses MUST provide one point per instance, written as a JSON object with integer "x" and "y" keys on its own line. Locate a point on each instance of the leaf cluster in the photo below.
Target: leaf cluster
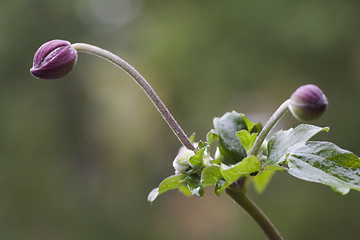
{"x": 232, "y": 165}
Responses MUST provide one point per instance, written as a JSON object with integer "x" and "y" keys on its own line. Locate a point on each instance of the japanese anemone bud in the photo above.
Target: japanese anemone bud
{"x": 181, "y": 162}
{"x": 54, "y": 59}
{"x": 308, "y": 103}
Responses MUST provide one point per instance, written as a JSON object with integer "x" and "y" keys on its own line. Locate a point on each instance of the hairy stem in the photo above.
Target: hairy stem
{"x": 278, "y": 114}
{"x": 180, "y": 134}
{"x": 254, "y": 211}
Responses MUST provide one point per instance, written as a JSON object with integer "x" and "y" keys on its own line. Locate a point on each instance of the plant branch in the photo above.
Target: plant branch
{"x": 87, "y": 48}
{"x": 278, "y": 114}
{"x": 254, "y": 211}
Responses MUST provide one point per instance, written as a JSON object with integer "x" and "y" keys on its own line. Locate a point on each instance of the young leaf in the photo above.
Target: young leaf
{"x": 172, "y": 182}
{"x": 252, "y": 127}
{"x": 226, "y": 128}
{"x": 249, "y": 124}
{"x": 285, "y": 142}
{"x": 247, "y": 166}
{"x": 246, "y": 140}
{"x": 197, "y": 160}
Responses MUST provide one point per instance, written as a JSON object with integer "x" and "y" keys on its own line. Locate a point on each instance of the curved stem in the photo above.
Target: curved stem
{"x": 254, "y": 211}
{"x": 87, "y": 48}
{"x": 278, "y": 114}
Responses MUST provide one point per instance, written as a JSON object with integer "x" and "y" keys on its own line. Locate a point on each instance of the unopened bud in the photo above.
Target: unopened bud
{"x": 54, "y": 59}
{"x": 308, "y": 103}
{"x": 181, "y": 162}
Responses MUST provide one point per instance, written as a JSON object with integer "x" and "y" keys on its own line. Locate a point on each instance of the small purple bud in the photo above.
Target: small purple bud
{"x": 308, "y": 103}
{"x": 54, "y": 59}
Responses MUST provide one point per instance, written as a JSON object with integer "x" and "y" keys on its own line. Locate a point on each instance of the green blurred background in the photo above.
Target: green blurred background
{"x": 79, "y": 155}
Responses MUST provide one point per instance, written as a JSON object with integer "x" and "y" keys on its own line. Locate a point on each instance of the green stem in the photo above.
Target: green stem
{"x": 87, "y": 48}
{"x": 254, "y": 211}
{"x": 278, "y": 114}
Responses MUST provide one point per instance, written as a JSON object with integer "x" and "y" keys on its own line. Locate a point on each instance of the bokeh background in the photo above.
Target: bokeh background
{"x": 79, "y": 155}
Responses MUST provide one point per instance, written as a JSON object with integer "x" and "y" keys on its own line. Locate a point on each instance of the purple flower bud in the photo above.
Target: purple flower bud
{"x": 308, "y": 103}
{"x": 54, "y": 59}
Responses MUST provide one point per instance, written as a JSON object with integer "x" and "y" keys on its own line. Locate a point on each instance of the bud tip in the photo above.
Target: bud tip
{"x": 308, "y": 103}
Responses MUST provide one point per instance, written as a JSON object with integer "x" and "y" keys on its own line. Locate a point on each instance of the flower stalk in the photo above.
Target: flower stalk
{"x": 278, "y": 114}
{"x": 175, "y": 127}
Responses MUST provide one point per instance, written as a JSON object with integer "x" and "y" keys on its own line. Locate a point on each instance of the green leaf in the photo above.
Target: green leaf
{"x": 246, "y": 140}
{"x": 326, "y": 163}
{"x": 226, "y": 128}
{"x": 311, "y": 167}
{"x": 172, "y": 182}
{"x": 315, "y": 161}
{"x": 194, "y": 183}
{"x": 247, "y": 166}
{"x": 221, "y": 185}
{"x": 210, "y": 176}
{"x": 285, "y": 142}
{"x": 331, "y": 152}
